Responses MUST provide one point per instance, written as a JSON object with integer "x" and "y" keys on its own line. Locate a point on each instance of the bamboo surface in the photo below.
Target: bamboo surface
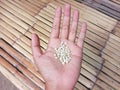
{"x": 101, "y": 59}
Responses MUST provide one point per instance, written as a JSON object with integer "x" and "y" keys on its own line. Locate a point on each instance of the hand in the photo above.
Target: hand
{"x": 56, "y": 75}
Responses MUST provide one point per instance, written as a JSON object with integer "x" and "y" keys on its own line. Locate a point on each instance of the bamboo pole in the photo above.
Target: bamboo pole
{"x": 30, "y": 5}
{"x": 24, "y": 70}
{"x": 17, "y": 27}
{"x": 4, "y": 31}
{"x": 21, "y": 7}
{"x": 12, "y": 78}
{"x": 92, "y": 11}
{"x": 19, "y": 75}
{"x": 16, "y": 45}
{"x": 109, "y": 81}
{"x": 6, "y": 38}
{"x": 20, "y": 58}
{"x": 14, "y": 18}
{"x": 104, "y": 86}
{"x": 111, "y": 60}
{"x": 112, "y": 67}
{"x": 110, "y": 73}
{"x": 10, "y": 29}
{"x": 116, "y": 1}
{"x": 19, "y": 15}
{"x": 80, "y": 87}
{"x": 39, "y": 4}
{"x": 19, "y": 10}
{"x": 96, "y": 87}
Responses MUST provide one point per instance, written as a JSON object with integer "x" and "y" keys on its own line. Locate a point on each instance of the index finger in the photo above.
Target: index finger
{"x": 82, "y": 35}
{"x": 56, "y": 23}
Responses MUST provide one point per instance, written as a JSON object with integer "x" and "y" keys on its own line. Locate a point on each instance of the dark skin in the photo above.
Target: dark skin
{"x": 56, "y": 75}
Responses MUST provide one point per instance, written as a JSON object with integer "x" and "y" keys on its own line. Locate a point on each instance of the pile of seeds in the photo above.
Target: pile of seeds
{"x": 63, "y": 53}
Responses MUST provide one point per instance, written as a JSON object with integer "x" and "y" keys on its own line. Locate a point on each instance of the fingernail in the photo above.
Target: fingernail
{"x": 67, "y": 5}
{"x": 58, "y": 9}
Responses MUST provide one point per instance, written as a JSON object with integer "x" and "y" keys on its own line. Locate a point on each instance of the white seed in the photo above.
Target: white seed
{"x": 63, "y": 53}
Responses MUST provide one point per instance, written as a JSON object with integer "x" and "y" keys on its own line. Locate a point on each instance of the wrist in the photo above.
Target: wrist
{"x": 57, "y": 86}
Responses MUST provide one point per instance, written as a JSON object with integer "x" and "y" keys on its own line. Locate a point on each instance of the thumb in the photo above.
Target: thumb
{"x": 36, "y": 50}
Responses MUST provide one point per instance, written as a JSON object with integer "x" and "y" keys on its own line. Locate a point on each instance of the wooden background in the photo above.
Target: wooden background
{"x": 101, "y": 53}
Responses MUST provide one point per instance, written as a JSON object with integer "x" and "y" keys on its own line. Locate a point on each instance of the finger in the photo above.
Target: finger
{"x": 66, "y": 22}
{"x": 74, "y": 26}
{"x": 36, "y": 50}
{"x": 56, "y": 23}
{"x": 82, "y": 35}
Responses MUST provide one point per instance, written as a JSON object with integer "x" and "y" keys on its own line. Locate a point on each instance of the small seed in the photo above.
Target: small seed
{"x": 63, "y": 53}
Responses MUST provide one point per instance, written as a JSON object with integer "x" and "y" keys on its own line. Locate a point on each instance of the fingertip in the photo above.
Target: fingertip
{"x": 67, "y": 10}
{"x": 35, "y": 39}
{"x": 58, "y": 9}
{"x": 76, "y": 15}
{"x": 67, "y": 5}
{"x": 84, "y": 27}
{"x": 84, "y": 24}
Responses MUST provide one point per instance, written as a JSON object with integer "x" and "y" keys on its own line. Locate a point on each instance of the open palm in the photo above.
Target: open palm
{"x": 52, "y": 70}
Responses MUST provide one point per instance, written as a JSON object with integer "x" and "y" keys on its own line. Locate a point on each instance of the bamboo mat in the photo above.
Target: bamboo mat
{"x": 20, "y": 18}
{"x": 109, "y": 7}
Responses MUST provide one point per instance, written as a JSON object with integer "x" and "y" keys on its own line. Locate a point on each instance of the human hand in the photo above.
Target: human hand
{"x": 56, "y": 75}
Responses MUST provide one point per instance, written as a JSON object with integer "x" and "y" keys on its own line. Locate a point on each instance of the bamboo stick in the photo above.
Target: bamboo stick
{"x": 96, "y": 87}
{"x": 37, "y": 3}
{"x": 86, "y": 82}
{"x": 25, "y": 4}
{"x": 21, "y": 7}
{"x": 112, "y": 54}
{"x": 111, "y": 49}
{"x": 22, "y": 69}
{"x": 23, "y": 51}
{"x": 89, "y": 75}
{"x": 112, "y": 67}
{"x": 19, "y": 47}
{"x": 90, "y": 68}
{"x": 109, "y": 81}
{"x": 20, "y": 11}
{"x": 19, "y": 75}
{"x": 6, "y": 38}
{"x": 25, "y": 46}
{"x": 17, "y": 27}
{"x": 116, "y": 1}
{"x": 80, "y": 87}
{"x": 12, "y": 78}
{"x": 103, "y": 85}
{"x": 10, "y": 29}
{"x": 92, "y": 61}
{"x": 97, "y": 13}
{"x": 14, "y": 18}
{"x": 113, "y": 44}
{"x": 4, "y": 31}
{"x": 20, "y": 58}
{"x": 111, "y": 60}
{"x": 109, "y": 4}
{"x": 110, "y": 73}
{"x": 19, "y": 15}
{"x": 115, "y": 37}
